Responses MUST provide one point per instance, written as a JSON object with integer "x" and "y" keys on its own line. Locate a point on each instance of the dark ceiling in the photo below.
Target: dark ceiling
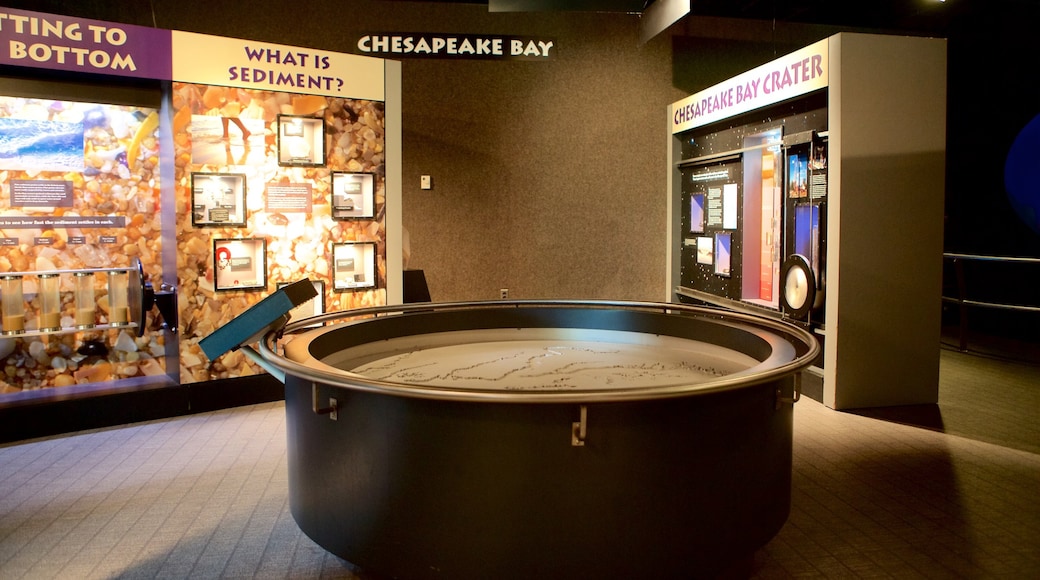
{"x": 929, "y": 16}
{"x": 868, "y": 14}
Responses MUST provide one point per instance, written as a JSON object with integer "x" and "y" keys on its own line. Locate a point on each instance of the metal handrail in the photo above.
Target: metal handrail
{"x": 991, "y": 258}
{"x": 802, "y": 342}
{"x": 962, "y": 290}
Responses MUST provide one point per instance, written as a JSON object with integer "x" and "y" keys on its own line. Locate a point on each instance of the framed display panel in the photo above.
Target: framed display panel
{"x": 818, "y": 170}
{"x": 710, "y": 185}
{"x": 301, "y": 141}
{"x": 697, "y": 213}
{"x": 713, "y": 189}
{"x": 723, "y": 253}
{"x": 353, "y": 266}
{"x": 705, "y": 250}
{"x": 729, "y": 205}
{"x": 218, "y": 199}
{"x": 239, "y": 264}
{"x": 313, "y": 307}
{"x": 353, "y": 195}
{"x": 797, "y": 175}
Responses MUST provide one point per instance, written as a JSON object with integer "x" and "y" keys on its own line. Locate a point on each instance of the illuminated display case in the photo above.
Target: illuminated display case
{"x": 81, "y": 229}
{"x": 164, "y": 171}
{"x": 826, "y": 169}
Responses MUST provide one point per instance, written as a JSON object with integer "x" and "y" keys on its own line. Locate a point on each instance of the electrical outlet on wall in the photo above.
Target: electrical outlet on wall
{"x": 425, "y": 182}
{"x": 504, "y": 293}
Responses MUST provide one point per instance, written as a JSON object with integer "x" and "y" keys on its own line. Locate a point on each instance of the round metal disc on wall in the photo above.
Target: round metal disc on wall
{"x": 798, "y": 294}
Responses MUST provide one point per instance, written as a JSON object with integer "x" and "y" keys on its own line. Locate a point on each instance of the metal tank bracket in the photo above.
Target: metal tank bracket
{"x": 332, "y": 410}
{"x": 796, "y": 395}
{"x": 579, "y": 429}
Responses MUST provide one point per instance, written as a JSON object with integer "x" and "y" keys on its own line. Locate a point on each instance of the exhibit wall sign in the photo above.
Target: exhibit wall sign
{"x": 795, "y": 74}
{"x": 39, "y": 40}
{"x": 248, "y": 64}
{"x": 464, "y": 46}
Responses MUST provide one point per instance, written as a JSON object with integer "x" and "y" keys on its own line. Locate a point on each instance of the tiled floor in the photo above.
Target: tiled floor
{"x": 955, "y": 496}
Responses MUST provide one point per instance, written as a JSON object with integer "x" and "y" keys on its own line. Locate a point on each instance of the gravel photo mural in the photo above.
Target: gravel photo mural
{"x": 288, "y": 167}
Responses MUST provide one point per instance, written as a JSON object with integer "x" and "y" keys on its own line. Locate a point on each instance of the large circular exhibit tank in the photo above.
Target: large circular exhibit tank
{"x": 540, "y": 439}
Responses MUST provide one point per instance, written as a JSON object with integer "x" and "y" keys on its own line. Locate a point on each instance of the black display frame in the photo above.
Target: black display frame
{"x": 294, "y": 130}
{"x": 705, "y": 250}
{"x": 346, "y": 279}
{"x": 723, "y": 260}
{"x": 238, "y": 191}
{"x": 224, "y": 257}
{"x": 343, "y": 207}
{"x": 697, "y": 217}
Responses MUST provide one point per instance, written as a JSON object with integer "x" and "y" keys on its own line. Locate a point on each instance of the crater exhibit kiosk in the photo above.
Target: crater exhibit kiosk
{"x": 811, "y": 188}
{"x": 533, "y": 439}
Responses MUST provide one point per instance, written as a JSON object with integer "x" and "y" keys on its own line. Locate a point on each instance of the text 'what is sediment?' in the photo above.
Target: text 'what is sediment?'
{"x": 42, "y": 42}
{"x": 304, "y": 78}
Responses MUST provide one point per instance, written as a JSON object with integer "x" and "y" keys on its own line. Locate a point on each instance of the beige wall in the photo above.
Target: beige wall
{"x": 547, "y": 175}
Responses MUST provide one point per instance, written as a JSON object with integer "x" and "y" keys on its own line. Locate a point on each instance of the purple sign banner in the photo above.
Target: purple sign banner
{"x": 35, "y": 39}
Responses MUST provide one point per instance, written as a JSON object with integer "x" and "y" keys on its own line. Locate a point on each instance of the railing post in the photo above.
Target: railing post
{"x": 962, "y": 295}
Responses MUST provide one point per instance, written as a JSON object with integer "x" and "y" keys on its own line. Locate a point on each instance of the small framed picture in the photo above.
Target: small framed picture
{"x": 353, "y": 195}
{"x": 723, "y": 253}
{"x": 240, "y": 264}
{"x": 301, "y": 141}
{"x": 705, "y": 250}
{"x": 797, "y": 176}
{"x": 218, "y": 199}
{"x": 353, "y": 266}
{"x": 697, "y": 213}
{"x": 312, "y": 307}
